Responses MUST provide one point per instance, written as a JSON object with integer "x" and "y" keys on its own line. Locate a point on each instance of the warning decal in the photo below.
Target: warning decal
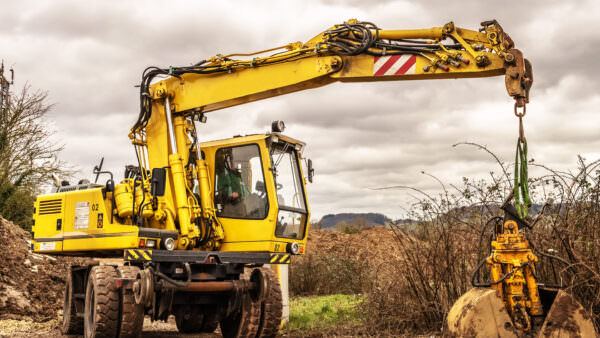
{"x": 47, "y": 246}
{"x": 82, "y": 215}
{"x": 394, "y": 65}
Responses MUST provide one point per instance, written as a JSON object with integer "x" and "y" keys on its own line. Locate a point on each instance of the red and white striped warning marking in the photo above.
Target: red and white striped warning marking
{"x": 394, "y": 65}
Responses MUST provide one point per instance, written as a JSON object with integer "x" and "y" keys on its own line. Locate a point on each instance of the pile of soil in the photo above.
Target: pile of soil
{"x": 31, "y": 285}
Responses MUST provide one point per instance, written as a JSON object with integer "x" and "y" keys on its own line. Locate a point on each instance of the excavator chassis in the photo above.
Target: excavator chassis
{"x": 201, "y": 289}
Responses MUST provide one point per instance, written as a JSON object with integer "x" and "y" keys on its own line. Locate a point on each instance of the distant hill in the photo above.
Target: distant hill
{"x": 329, "y": 221}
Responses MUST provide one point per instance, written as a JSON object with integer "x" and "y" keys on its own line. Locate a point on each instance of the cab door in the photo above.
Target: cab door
{"x": 241, "y": 195}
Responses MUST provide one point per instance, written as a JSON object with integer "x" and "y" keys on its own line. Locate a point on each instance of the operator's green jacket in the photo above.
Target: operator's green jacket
{"x": 230, "y": 182}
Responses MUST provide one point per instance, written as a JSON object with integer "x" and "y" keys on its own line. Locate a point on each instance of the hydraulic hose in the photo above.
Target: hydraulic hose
{"x": 175, "y": 282}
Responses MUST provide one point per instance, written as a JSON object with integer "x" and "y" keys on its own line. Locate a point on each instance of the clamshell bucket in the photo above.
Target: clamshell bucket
{"x": 566, "y": 318}
{"x": 481, "y": 313}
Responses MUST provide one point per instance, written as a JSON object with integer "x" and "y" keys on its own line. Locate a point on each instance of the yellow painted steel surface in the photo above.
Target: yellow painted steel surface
{"x": 513, "y": 258}
{"x": 84, "y": 219}
{"x": 212, "y": 92}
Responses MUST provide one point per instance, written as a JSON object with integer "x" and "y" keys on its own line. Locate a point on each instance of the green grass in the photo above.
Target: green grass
{"x": 324, "y": 312}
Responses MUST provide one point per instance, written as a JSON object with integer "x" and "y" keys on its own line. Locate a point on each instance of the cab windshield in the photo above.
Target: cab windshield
{"x": 292, "y": 216}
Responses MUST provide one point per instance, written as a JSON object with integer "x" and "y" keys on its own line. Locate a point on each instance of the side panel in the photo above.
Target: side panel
{"x": 87, "y": 224}
{"x": 49, "y": 218}
{"x": 79, "y": 221}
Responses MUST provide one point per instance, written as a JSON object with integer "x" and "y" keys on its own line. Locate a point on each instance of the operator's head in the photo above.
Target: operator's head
{"x": 223, "y": 159}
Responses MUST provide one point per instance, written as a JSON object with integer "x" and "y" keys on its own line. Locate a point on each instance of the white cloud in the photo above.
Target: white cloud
{"x": 89, "y": 55}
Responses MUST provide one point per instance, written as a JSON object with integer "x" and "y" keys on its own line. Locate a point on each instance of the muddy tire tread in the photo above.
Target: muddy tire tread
{"x": 250, "y": 327}
{"x": 246, "y": 321}
{"x": 72, "y": 324}
{"x": 271, "y": 309}
{"x": 106, "y": 322}
{"x": 132, "y": 314}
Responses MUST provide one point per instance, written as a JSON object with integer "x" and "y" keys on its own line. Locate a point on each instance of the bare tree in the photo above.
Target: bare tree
{"x": 28, "y": 155}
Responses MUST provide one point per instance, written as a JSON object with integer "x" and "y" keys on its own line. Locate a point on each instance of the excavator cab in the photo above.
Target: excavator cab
{"x": 259, "y": 192}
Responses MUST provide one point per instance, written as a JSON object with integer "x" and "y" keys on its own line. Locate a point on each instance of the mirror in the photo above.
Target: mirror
{"x": 311, "y": 170}
{"x": 158, "y": 182}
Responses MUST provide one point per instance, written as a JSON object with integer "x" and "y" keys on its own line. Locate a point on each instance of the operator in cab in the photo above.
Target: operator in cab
{"x": 231, "y": 189}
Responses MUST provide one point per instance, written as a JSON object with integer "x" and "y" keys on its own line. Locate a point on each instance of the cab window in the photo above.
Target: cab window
{"x": 240, "y": 190}
{"x": 292, "y": 216}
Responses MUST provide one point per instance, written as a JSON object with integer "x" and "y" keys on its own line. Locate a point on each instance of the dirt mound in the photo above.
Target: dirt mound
{"x": 31, "y": 285}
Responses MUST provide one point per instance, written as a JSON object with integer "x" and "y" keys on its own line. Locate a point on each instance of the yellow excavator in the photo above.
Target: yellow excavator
{"x": 196, "y": 223}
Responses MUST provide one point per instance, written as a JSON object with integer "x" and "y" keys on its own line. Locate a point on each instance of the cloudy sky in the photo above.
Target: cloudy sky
{"x": 89, "y": 55}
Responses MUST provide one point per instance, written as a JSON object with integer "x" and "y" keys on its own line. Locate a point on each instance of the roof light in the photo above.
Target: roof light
{"x": 277, "y": 126}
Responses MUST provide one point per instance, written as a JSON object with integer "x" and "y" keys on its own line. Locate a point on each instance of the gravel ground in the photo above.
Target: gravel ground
{"x": 29, "y": 328}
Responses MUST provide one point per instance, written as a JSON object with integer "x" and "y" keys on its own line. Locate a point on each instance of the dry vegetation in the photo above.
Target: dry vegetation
{"x": 410, "y": 276}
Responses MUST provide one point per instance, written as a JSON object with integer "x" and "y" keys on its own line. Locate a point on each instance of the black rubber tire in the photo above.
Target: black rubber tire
{"x": 244, "y": 322}
{"x": 271, "y": 309}
{"x": 132, "y": 314}
{"x": 101, "y": 316}
{"x": 72, "y": 324}
{"x": 188, "y": 319}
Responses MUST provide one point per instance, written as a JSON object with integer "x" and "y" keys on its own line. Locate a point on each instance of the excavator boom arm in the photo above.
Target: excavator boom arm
{"x": 351, "y": 52}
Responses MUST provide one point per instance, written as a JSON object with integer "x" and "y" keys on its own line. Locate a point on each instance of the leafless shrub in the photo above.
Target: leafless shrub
{"x": 413, "y": 292}
{"x": 327, "y": 274}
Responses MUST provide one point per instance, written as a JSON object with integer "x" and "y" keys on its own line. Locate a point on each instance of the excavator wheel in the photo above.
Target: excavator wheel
{"x": 244, "y": 322}
{"x": 132, "y": 314}
{"x": 72, "y": 324}
{"x": 481, "y": 313}
{"x": 101, "y": 316}
{"x": 271, "y": 308}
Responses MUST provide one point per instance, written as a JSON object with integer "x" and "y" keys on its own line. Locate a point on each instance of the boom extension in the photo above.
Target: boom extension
{"x": 352, "y": 52}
